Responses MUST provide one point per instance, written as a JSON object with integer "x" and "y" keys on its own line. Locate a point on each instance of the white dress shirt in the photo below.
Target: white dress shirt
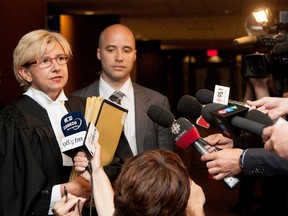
{"x": 127, "y": 102}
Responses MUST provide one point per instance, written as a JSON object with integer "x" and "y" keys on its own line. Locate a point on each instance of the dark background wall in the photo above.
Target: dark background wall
{"x": 16, "y": 19}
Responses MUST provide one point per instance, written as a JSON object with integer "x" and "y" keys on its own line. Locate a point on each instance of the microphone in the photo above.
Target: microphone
{"x": 182, "y": 140}
{"x": 234, "y": 118}
{"x": 258, "y": 116}
{"x": 77, "y": 136}
{"x": 189, "y": 106}
{"x": 158, "y": 114}
{"x": 206, "y": 96}
{"x": 185, "y": 134}
{"x": 205, "y": 112}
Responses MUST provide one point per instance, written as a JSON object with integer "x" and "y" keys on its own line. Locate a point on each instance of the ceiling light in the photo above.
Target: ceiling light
{"x": 262, "y": 16}
{"x": 214, "y": 59}
{"x": 89, "y": 13}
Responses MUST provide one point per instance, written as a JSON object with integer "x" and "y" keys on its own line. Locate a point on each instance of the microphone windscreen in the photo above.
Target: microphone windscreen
{"x": 160, "y": 115}
{"x": 184, "y": 133}
{"x": 207, "y": 109}
{"x": 189, "y": 106}
{"x": 204, "y": 96}
{"x": 72, "y": 123}
{"x": 258, "y": 116}
{"x": 247, "y": 125}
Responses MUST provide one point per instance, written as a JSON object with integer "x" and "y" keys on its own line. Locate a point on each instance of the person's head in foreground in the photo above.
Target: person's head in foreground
{"x": 155, "y": 182}
{"x": 152, "y": 183}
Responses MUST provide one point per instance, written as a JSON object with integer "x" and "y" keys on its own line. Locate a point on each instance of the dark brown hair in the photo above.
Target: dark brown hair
{"x": 152, "y": 183}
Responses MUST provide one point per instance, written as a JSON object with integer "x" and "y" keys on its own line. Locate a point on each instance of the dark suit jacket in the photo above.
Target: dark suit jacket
{"x": 259, "y": 162}
{"x": 149, "y": 135}
{"x": 273, "y": 173}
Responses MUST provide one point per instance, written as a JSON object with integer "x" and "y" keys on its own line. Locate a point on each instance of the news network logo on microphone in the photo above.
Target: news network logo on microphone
{"x": 76, "y": 136}
{"x": 175, "y": 130}
{"x": 73, "y": 122}
{"x": 179, "y": 128}
{"x": 223, "y": 117}
{"x": 228, "y": 109}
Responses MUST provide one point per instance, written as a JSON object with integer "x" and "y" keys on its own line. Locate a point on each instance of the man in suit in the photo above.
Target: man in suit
{"x": 117, "y": 53}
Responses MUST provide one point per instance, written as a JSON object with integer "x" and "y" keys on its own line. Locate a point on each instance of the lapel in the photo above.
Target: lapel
{"x": 75, "y": 104}
{"x": 141, "y": 99}
{"x": 95, "y": 88}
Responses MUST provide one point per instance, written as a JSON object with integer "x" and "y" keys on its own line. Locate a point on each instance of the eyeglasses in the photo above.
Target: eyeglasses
{"x": 46, "y": 61}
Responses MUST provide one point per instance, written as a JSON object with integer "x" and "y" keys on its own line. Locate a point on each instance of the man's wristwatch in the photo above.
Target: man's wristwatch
{"x": 241, "y": 159}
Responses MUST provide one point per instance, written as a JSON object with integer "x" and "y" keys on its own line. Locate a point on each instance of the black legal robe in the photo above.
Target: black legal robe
{"x": 30, "y": 157}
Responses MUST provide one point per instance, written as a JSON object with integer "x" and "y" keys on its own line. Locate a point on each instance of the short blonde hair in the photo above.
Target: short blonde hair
{"x": 34, "y": 45}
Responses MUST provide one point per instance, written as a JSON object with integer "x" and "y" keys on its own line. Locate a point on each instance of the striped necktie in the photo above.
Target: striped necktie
{"x": 117, "y": 97}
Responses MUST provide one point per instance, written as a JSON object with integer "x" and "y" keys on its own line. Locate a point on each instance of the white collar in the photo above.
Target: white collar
{"x": 106, "y": 90}
{"x": 43, "y": 99}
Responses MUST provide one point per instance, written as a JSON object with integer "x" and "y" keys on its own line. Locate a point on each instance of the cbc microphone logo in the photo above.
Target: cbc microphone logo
{"x": 175, "y": 128}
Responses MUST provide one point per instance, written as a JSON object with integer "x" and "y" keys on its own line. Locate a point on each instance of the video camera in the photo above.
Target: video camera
{"x": 270, "y": 55}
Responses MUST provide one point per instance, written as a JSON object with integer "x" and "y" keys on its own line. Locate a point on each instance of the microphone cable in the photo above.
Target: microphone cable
{"x": 90, "y": 170}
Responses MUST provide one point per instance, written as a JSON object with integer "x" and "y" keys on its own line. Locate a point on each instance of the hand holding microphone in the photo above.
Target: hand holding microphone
{"x": 81, "y": 162}
{"x": 218, "y": 141}
{"x": 184, "y": 134}
{"x": 223, "y": 164}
